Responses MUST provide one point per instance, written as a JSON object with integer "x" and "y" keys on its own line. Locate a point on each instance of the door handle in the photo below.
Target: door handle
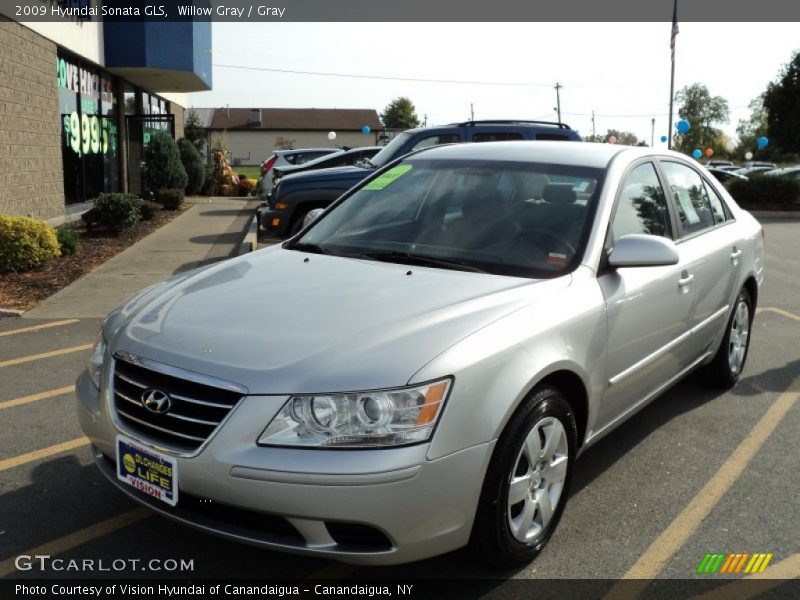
{"x": 685, "y": 280}
{"x": 735, "y": 254}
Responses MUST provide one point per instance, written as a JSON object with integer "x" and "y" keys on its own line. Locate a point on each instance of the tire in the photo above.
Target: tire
{"x": 507, "y": 534}
{"x": 297, "y": 223}
{"x": 728, "y": 363}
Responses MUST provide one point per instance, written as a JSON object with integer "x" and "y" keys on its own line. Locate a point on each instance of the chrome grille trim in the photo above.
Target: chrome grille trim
{"x": 151, "y": 426}
{"x": 190, "y": 421}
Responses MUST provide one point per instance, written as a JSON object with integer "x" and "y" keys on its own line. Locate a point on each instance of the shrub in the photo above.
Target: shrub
{"x": 763, "y": 189}
{"x": 246, "y": 186}
{"x": 118, "y": 211}
{"x": 149, "y": 210}
{"x": 193, "y": 163}
{"x": 170, "y": 198}
{"x": 25, "y": 243}
{"x": 163, "y": 163}
{"x": 67, "y": 240}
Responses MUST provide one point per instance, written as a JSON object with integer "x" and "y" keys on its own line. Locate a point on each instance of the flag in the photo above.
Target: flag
{"x": 675, "y": 30}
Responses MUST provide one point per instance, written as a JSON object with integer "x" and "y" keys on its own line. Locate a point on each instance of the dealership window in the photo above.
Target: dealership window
{"x": 89, "y": 129}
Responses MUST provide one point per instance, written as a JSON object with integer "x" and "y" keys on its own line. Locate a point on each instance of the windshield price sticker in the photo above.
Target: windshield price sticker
{"x": 146, "y": 470}
{"x": 392, "y": 174}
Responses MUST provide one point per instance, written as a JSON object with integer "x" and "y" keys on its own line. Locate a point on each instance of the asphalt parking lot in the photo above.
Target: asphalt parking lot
{"x": 695, "y": 472}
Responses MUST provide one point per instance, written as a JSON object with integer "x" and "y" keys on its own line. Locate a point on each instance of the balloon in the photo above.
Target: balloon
{"x": 709, "y": 152}
{"x": 365, "y": 130}
{"x": 612, "y": 139}
{"x": 748, "y": 156}
{"x": 683, "y": 126}
{"x": 762, "y": 142}
{"x": 663, "y": 138}
{"x": 696, "y": 153}
{"x": 332, "y": 135}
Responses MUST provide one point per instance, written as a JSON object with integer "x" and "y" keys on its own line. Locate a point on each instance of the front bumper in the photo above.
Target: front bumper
{"x": 273, "y": 221}
{"x": 396, "y": 505}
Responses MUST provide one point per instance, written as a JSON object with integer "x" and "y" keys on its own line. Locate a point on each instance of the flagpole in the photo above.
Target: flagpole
{"x": 673, "y": 34}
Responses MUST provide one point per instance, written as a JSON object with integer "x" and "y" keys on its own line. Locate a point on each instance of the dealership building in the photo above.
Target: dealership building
{"x": 79, "y": 100}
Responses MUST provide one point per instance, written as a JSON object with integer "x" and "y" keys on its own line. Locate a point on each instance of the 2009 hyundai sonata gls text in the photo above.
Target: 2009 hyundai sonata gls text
{"x": 419, "y": 368}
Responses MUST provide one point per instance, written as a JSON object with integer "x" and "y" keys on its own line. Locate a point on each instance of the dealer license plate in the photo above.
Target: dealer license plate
{"x": 147, "y": 470}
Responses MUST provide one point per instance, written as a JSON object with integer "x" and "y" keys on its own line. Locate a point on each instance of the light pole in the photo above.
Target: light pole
{"x": 653, "y": 132}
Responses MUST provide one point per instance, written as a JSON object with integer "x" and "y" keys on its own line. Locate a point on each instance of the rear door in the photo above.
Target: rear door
{"x": 708, "y": 236}
{"x": 648, "y": 308}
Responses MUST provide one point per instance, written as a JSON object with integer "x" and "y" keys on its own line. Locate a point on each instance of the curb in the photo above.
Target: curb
{"x": 775, "y": 214}
{"x": 250, "y": 241}
{"x": 11, "y": 312}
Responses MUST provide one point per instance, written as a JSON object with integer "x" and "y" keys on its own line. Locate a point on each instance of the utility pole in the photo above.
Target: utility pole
{"x": 653, "y": 132}
{"x": 471, "y": 111}
{"x": 558, "y": 101}
{"x": 425, "y": 124}
{"x": 593, "y": 131}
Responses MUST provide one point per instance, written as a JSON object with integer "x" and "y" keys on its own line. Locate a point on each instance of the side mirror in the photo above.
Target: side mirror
{"x": 312, "y": 216}
{"x": 640, "y": 250}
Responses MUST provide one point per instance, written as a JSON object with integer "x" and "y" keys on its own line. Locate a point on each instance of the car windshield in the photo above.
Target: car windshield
{"x": 506, "y": 218}
{"x": 388, "y": 152}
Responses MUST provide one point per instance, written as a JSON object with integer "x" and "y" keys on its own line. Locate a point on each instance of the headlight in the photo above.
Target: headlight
{"x": 95, "y": 366}
{"x": 361, "y": 419}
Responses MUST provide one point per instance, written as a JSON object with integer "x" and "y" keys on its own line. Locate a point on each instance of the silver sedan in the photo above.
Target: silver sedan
{"x": 440, "y": 346}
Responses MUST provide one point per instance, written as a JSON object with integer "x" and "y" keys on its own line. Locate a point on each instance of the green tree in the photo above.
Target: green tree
{"x": 703, "y": 111}
{"x": 193, "y": 163}
{"x": 749, "y": 130}
{"x": 400, "y": 114}
{"x": 163, "y": 163}
{"x": 782, "y": 104}
{"x": 194, "y": 131}
{"x": 626, "y": 138}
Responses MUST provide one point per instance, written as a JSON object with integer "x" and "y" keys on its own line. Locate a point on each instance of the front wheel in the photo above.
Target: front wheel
{"x": 527, "y": 483}
{"x": 724, "y": 371}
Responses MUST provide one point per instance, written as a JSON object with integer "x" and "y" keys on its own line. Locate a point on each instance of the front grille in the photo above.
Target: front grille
{"x": 196, "y": 409}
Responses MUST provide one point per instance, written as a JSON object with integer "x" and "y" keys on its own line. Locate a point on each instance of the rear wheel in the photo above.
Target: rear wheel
{"x": 724, "y": 371}
{"x": 527, "y": 483}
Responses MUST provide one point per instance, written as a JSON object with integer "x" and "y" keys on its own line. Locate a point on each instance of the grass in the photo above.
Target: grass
{"x": 249, "y": 172}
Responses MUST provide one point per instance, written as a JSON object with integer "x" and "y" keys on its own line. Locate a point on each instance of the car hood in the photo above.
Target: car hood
{"x": 281, "y": 321}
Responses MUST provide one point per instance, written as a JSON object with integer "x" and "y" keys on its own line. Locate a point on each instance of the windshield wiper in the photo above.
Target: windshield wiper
{"x": 309, "y": 247}
{"x": 417, "y": 259}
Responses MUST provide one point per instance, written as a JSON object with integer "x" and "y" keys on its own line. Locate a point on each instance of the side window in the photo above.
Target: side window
{"x": 691, "y": 198}
{"x": 496, "y": 137}
{"x": 642, "y": 206}
{"x": 717, "y": 206}
{"x": 435, "y": 140}
{"x": 556, "y": 137}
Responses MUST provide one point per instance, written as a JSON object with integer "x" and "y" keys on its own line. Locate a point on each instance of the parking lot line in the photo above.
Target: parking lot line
{"x": 758, "y": 583}
{"x": 70, "y": 541}
{"x": 22, "y": 459}
{"x": 34, "y": 397}
{"x": 652, "y": 562}
{"x": 23, "y": 359}
{"x": 38, "y": 327}
{"x": 779, "y": 311}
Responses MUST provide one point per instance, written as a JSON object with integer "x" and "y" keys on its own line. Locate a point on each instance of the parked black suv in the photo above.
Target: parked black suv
{"x": 296, "y": 195}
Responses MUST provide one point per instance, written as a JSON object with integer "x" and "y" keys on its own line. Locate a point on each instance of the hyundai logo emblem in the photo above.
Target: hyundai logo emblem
{"x": 156, "y": 401}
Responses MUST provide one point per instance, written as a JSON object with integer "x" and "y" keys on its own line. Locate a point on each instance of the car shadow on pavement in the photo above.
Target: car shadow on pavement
{"x": 66, "y": 494}
{"x": 778, "y": 379}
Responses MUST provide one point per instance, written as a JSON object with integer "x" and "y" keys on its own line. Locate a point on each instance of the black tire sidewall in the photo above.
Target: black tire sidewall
{"x": 542, "y": 403}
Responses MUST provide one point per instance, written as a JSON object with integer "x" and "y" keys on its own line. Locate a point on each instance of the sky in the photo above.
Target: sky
{"x": 621, "y": 71}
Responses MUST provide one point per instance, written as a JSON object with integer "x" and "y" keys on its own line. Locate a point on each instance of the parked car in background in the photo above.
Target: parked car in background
{"x": 753, "y": 170}
{"x": 727, "y": 168}
{"x": 723, "y": 175}
{"x": 284, "y": 158}
{"x": 297, "y": 194}
{"x": 448, "y": 338}
{"x": 759, "y": 163}
{"x": 343, "y": 158}
{"x": 719, "y": 163}
{"x": 788, "y": 172}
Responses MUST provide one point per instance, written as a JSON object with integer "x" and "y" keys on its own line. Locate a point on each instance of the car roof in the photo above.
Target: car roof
{"x": 295, "y": 150}
{"x": 586, "y": 154}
